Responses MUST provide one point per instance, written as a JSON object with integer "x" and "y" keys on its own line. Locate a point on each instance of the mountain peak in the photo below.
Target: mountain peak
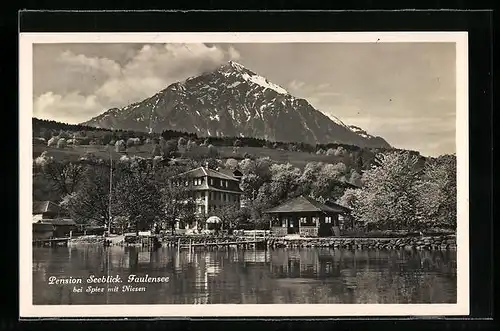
{"x": 234, "y": 101}
{"x": 236, "y": 65}
{"x": 234, "y": 69}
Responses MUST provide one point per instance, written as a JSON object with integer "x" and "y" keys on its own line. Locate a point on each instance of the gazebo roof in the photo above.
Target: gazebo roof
{"x": 303, "y": 204}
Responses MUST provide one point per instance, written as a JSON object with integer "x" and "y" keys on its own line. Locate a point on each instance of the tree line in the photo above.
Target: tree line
{"x": 87, "y": 135}
{"x": 395, "y": 191}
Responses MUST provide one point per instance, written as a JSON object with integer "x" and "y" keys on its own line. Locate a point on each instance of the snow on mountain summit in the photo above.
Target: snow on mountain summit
{"x": 237, "y": 102}
{"x": 252, "y": 77}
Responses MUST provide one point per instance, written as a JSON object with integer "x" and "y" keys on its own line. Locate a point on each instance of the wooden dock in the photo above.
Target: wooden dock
{"x": 243, "y": 244}
{"x": 51, "y": 242}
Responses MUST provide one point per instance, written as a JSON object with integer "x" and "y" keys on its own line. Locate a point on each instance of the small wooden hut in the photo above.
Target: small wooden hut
{"x": 306, "y": 217}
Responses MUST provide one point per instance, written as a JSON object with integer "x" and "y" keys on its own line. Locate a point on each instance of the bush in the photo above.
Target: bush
{"x": 120, "y": 146}
{"x": 61, "y": 143}
{"x": 52, "y": 141}
{"x": 249, "y": 156}
{"x": 320, "y": 151}
{"x": 330, "y": 151}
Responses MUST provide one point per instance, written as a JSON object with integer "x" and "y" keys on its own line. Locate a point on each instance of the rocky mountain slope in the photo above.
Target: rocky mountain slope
{"x": 234, "y": 101}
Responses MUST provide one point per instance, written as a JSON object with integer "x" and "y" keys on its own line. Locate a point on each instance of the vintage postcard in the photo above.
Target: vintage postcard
{"x": 243, "y": 174}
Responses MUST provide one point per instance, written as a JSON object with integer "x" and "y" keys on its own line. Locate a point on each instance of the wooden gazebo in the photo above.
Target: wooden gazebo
{"x": 307, "y": 217}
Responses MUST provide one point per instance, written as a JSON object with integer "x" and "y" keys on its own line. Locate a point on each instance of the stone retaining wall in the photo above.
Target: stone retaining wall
{"x": 428, "y": 243}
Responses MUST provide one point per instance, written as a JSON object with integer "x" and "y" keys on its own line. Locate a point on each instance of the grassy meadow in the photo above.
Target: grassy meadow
{"x": 74, "y": 152}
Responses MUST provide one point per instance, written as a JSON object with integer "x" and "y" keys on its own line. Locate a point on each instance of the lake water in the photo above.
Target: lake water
{"x": 234, "y": 276}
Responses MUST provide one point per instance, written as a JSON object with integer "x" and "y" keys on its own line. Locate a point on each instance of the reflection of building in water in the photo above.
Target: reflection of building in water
{"x": 296, "y": 263}
{"x": 311, "y": 263}
{"x": 212, "y": 267}
{"x": 257, "y": 256}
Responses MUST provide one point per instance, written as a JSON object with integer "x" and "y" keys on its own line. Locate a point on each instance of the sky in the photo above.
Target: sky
{"x": 403, "y": 92}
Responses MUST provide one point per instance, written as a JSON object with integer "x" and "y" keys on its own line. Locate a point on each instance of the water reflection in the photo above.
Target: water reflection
{"x": 310, "y": 275}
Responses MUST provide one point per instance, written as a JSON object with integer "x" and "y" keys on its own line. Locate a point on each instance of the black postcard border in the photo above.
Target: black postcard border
{"x": 478, "y": 24}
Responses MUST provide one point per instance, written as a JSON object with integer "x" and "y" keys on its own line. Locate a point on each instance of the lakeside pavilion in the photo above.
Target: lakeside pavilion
{"x": 307, "y": 217}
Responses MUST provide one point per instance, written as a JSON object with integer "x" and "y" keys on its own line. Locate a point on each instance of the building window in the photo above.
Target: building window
{"x": 211, "y": 181}
{"x": 221, "y": 182}
{"x": 303, "y": 220}
{"x": 283, "y": 223}
{"x": 186, "y": 183}
{"x": 197, "y": 181}
{"x": 315, "y": 221}
{"x": 328, "y": 220}
{"x": 226, "y": 183}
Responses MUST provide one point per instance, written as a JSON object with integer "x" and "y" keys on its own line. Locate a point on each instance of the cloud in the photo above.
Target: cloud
{"x": 70, "y": 108}
{"x": 234, "y": 54}
{"x": 84, "y": 64}
{"x": 295, "y": 85}
{"x": 107, "y": 83}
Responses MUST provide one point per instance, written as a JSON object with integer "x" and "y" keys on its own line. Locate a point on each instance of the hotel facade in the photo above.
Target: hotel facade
{"x": 212, "y": 190}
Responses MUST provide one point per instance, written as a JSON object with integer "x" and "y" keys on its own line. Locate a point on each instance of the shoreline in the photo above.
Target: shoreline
{"x": 441, "y": 242}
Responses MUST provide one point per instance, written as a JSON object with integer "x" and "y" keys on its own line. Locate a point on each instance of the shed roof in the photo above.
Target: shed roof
{"x": 40, "y": 207}
{"x": 303, "y": 204}
{"x": 59, "y": 221}
{"x": 332, "y": 204}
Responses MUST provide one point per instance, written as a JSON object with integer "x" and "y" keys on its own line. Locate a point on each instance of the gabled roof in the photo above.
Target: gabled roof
{"x": 203, "y": 171}
{"x": 40, "y": 207}
{"x": 302, "y": 204}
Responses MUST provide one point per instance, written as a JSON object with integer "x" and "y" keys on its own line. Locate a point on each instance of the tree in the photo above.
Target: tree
{"x": 47, "y": 134}
{"x": 90, "y": 203}
{"x": 284, "y": 181}
{"x": 64, "y": 176}
{"x": 212, "y": 151}
{"x": 309, "y": 177}
{"x": 231, "y": 164}
{"x": 212, "y": 163}
{"x": 320, "y": 151}
{"x": 120, "y": 146}
{"x": 340, "y": 151}
{"x": 137, "y": 196}
{"x": 350, "y": 198}
{"x": 107, "y": 138}
{"x": 437, "y": 193}
{"x": 191, "y": 144}
{"x": 181, "y": 143}
{"x": 156, "y": 150}
{"x": 53, "y": 141}
{"x": 330, "y": 151}
{"x": 178, "y": 204}
{"x": 229, "y": 215}
{"x": 355, "y": 178}
{"x": 388, "y": 199}
{"x": 130, "y": 142}
{"x": 170, "y": 147}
